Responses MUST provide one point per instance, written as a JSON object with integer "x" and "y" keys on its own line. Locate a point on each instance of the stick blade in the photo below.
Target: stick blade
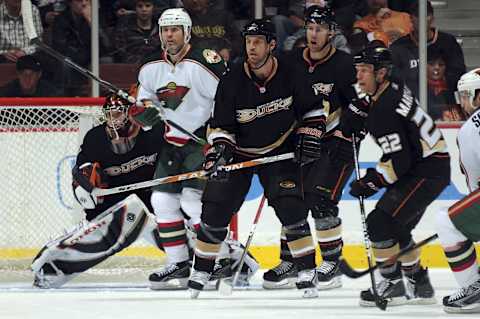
{"x": 348, "y": 271}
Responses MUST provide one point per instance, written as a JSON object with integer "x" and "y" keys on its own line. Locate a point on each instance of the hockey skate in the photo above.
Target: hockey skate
{"x": 283, "y": 276}
{"x": 307, "y": 281}
{"x": 329, "y": 276}
{"x": 221, "y": 271}
{"x": 466, "y": 300}
{"x": 171, "y": 277}
{"x": 196, "y": 282}
{"x": 392, "y": 290}
{"x": 419, "y": 289}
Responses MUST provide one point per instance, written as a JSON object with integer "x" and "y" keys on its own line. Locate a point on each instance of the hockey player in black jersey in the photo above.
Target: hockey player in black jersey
{"x": 414, "y": 169}
{"x": 112, "y": 154}
{"x": 327, "y": 160}
{"x": 256, "y": 111}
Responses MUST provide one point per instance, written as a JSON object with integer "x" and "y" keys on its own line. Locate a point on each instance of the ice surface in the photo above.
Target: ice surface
{"x": 136, "y": 301}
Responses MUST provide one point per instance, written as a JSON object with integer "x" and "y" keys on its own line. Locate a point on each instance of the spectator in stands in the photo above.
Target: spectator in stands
{"x": 29, "y": 82}
{"x": 14, "y": 43}
{"x": 381, "y": 24}
{"x": 49, "y": 9}
{"x": 136, "y": 35}
{"x": 213, "y": 28}
{"x": 339, "y": 40}
{"x": 405, "y": 52}
{"x": 71, "y": 37}
{"x": 441, "y": 100}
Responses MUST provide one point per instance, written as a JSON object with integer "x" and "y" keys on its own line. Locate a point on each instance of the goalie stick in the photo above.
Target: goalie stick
{"x": 190, "y": 175}
{"x": 352, "y": 273}
{"x": 226, "y": 287}
{"x": 27, "y": 19}
{"x": 379, "y": 301}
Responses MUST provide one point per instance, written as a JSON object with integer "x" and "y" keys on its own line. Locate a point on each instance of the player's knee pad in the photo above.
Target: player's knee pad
{"x": 84, "y": 247}
{"x": 325, "y": 213}
{"x": 380, "y": 226}
{"x": 191, "y": 203}
{"x": 289, "y": 209}
{"x": 448, "y": 234}
{"x": 166, "y": 206}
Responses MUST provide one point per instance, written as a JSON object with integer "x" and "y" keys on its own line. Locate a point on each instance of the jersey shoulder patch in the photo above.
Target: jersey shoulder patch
{"x": 209, "y": 59}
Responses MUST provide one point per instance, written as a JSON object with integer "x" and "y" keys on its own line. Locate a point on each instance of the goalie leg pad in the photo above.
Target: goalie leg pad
{"x": 112, "y": 231}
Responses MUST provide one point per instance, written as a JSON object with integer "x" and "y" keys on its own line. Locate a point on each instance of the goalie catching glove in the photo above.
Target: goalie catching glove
{"x": 309, "y": 140}
{"x": 86, "y": 177}
{"x": 368, "y": 185}
{"x": 220, "y": 154}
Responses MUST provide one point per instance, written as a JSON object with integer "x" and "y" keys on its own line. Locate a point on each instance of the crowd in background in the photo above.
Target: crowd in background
{"x": 129, "y": 31}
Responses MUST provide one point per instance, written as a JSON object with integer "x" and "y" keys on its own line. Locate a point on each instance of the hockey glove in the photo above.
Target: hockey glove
{"x": 145, "y": 113}
{"x": 339, "y": 148}
{"x": 220, "y": 154}
{"x": 352, "y": 120}
{"x": 309, "y": 140}
{"x": 368, "y": 185}
{"x": 85, "y": 178}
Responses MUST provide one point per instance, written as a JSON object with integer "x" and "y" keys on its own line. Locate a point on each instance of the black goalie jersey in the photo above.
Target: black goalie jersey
{"x": 258, "y": 118}
{"x": 410, "y": 141}
{"x": 137, "y": 165}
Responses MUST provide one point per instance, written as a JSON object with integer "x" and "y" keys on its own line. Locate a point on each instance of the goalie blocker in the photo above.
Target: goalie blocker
{"x": 64, "y": 258}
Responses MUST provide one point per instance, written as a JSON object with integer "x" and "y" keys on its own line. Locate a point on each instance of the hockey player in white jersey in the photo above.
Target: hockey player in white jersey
{"x": 458, "y": 226}
{"x": 181, "y": 81}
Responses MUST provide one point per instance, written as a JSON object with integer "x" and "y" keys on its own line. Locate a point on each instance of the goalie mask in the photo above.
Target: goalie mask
{"x": 119, "y": 128}
{"x": 468, "y": 88}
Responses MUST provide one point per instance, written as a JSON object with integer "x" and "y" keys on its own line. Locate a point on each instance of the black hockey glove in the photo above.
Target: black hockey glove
{"x": 221, "y": 153}
{"x": 352, "y": 120}
{"x": 309, "y": 140}
{"x": 339, "y": 148}
{"x": 368, "y": 185}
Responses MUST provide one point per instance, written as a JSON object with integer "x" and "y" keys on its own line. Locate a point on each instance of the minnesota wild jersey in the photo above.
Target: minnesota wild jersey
{"x": 185, "y": 89}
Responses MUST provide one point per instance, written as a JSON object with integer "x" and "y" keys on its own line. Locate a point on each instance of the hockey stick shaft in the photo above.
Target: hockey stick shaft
{"x": 352, "y": 273}
{"x": 249, "y": 240}
{"x": 34, "y": 39}
{"x": 190, "y": 175}
{"x": 379, "y": 302}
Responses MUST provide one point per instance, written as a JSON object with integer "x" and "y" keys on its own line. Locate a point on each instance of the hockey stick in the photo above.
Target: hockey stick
{"x": 225, "y": 288}
{"x": 352, "y": 273}
{"x": 379, "y": 301}
{"x": 27, "y": 18}
{"x": 190, "y": 175}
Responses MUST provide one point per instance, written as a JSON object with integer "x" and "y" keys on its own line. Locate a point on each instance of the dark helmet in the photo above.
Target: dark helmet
{"x": 113, "y": 102}
{"x": 319, "y": 15}
{"x": 260, "y": 27}
{"x": 378, "y": 56}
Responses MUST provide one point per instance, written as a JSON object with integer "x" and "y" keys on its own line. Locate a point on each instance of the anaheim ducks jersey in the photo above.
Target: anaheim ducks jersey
{"x": 135, "y": 166}
{"x": 330, "y": 80}
{"x": 410, "y": 141}
{"x": 468, "y": 140}
{"x": 186, "y": 89}
{"x": 257, "y": 116}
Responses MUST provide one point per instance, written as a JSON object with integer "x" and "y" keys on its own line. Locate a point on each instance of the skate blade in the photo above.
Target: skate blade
{"x": 332, "y": 284}
{"x": 225, "y": 287}
{"x": 473, "y": 308}
{"x": 173, "y": 284}
{"x": 288, "y": 283}
{"x": 194, "y": 293}
{"x": 310, "y": 293}
{"x": 397, "y": 301}
{"x": 422, "y": 301}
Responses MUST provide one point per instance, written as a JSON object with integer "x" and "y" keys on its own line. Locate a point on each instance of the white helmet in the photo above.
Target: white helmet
{"x": 176, "y": 16}
{"x": 468, "y": 84}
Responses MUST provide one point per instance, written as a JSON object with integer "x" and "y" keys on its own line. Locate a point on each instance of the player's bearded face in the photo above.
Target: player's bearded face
{"x": 317, "y": 36}
{"x": 257, "y": 49}
{"x": 173, "y": 39}
{"x": 366, "y": 78}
